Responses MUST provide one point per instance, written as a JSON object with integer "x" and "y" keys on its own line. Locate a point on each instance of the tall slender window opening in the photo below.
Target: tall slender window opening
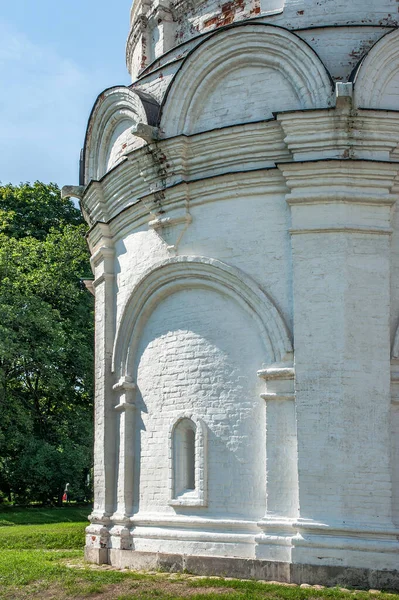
{"x": 188, "y": 461}
{"x": 184, "y": 457}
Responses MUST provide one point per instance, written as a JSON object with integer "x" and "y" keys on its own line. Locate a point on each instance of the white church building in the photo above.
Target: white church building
{"x": 241, "y": 196}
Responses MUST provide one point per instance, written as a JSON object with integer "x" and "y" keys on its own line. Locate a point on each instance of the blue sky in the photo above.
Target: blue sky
{"x": 56, "y": 56}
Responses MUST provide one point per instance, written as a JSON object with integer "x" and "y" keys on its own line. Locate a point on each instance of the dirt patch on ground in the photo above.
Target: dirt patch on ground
{"x": 161, "y": 587}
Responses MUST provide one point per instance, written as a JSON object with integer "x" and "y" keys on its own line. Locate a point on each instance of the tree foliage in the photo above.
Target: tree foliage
{"x": 46, "y": 345}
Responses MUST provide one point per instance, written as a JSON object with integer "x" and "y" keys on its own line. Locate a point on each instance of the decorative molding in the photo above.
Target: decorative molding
{"x": 340, "y": 229}
{"x": 177, "y": 273}
{"x": 376, "y": 71}
{"x": 247, "y": 148}
{"x": 274, "y": 396}
{"x": 102, "y": 254}
{"x": 172, "y": 224}
{"x": 192, "y": 522}
{"x": 72, "y": 191}
{"x": 329, "y": 180}
{"x": 102, "y": 250}
{"x": 126, "y": 389}
{"x": 281, "y": 445}
{"x": 340, "y": 133}
{"x": 89, "y": 285}
{"x": 216, "y": 189}
{"x": 330, "y": 196}
{"x": 101, "y": 209}
{"x": 277, "y": 372}
{"x": 114, "y": 106}
{"x": 148, "y": 133}
{"x": 254, "y": 43}
{"x": 158, "y": 223}
{"x": 100, "y": 236}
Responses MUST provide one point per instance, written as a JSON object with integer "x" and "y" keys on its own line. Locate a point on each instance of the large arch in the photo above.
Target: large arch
{"x": 108, "y": 135}
{"x": 377, "y": 77}
{"x": 256, "y": 65}
{"x": 188, "y": 272}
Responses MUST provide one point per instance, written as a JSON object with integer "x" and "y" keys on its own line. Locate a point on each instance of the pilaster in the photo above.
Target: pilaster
{"x": 125, "y": 391}
{"x": 340, "y": 232}
{"x": 102, "y": 261}
{"x": 274, "y": 543}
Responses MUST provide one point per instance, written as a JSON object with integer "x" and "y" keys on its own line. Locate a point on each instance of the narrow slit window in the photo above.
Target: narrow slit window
{"x": 184, "y": 457}
{"x": 188, "y": 462}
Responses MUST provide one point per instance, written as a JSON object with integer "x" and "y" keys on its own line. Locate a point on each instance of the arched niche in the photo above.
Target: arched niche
{"x": 189, "y": 272}
{"x": 377, "y": 77}
{"x": 244, "y": 74}
{"x": 198, "y": 349}
{"x": 109, "y": 132}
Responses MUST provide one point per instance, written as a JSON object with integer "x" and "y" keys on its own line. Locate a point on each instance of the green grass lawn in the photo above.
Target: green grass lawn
{"x": 41, "y": 556}
{"x": 10, "y": 516}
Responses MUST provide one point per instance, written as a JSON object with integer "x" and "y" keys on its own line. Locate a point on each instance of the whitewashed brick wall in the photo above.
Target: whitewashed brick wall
{"x": 194, "y": 357}
{"x": 303, "y": 204}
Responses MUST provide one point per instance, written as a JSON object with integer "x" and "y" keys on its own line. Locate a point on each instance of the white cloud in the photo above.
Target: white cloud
{"x": 44, "y": 103}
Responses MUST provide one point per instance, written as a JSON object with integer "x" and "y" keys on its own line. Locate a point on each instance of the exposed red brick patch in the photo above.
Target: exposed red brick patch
{"x": 227, "y": 14}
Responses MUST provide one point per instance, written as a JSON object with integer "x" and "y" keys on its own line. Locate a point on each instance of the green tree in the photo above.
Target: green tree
{"x": 46, "y": 345}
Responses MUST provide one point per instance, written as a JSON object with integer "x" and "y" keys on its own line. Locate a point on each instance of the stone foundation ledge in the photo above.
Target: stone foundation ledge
{"x": 240, "y": 568}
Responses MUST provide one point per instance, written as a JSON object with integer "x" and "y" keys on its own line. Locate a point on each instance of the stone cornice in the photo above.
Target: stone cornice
{"x": 184, "y": 159}
{"x": 325, "y": 175}
{"x": 196, "y": 193}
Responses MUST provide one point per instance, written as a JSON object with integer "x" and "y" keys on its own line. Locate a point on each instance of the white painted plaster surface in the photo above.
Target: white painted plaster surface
{"x": 246, "y": 276}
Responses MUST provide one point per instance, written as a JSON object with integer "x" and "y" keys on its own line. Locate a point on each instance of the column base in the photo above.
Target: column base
{"x": 185, "y": 535}
{"x": 274, "y": 543}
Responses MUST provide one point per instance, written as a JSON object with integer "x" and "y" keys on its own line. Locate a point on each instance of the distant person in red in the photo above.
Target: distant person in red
{"x": 65, "y": 497}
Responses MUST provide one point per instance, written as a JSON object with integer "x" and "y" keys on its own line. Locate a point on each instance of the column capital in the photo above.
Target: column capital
{"x": 126, "y": 389}
{"x": 279, "y": 380}
{"x": 340, "y": 132}
{"x": 336, "y": 180}
{"x": 276, "y": 372}
{"x": 102, "y": 249}
{"x": 341, "y": 196}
